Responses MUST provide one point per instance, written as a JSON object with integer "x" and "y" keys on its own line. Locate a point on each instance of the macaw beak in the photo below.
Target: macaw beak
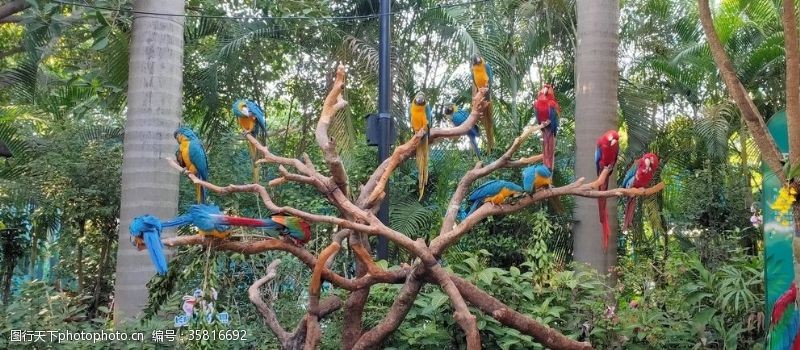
{"x": 647, "y": 164}
{"x": 543, "y": 91}
{"x": 613, "y": 141}
{"x": 476, "y": 59}
{"x": 420, "y": 99}
{"x": 139, "y": 242}
{"x": 449, "y": 110}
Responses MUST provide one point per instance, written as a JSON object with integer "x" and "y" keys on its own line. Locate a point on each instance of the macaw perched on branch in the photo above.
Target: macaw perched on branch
{"x": 458, "y": 118}
{"x": 146, "y": 233}
{"x": 192, "y": 156}
{"x": 535, "y": 177}
{"x": 638, "y": 176}
{"x": 252, "y": 120}
{"x": 547, "y": 109}
{"x": 482, "y": 77}
{"x": 605, "y": 156}
{"x": 421, "y": 119}
{"x": 493, "y": 191}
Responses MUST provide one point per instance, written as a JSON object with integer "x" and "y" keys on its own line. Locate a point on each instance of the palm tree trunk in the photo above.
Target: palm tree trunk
{"x": 597, "y": 74}
{"x": 155, "y": 79}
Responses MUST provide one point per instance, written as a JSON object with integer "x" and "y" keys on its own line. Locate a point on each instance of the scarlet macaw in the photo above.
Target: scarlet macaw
{"x": 638, "y": 177}
{"x": 535, "y": 177}
{"x": 252, "y": 120}
{"x": 458, "y": 118}
{"x": 547, "y": 109}
{"x": 192, "y": 156}
{"x": 482, "y": 77}
{"x": 605, "y": 156}
{"x": 493, "y": 191}
{"x": 146, "y": 233}
{"x": 421, "y": 118}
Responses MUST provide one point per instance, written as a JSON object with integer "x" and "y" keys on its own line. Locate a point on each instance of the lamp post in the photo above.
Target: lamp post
{"x": 385, "y": 122}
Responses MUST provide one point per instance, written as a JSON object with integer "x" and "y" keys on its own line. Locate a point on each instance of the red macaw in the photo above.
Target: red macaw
{"x": 547, "y": 109}
{"x": 605, "y": 156}
{"x": 638, "y": 176}
{"x": 482, "y": 77}
{"x": 421, "y": 118}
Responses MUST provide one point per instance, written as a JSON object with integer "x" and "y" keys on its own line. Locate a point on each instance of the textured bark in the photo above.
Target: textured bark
{"x": 792, "y": 80}
{"x": 13, "y": 7}
{"x": 755, "y": 122}
{"x": 154, "y": 109}
{"x": 596, "y": 75}
{"x": 296, "y": 339}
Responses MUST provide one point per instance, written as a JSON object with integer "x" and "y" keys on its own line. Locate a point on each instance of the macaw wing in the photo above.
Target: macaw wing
{"x": 554, "y": 118}
{"x": 597, "y": 156}
{"x": 459, "y": 117}
{"x": 261, "y": 118}
{"x": 528, "y": 175}
{"x": 294, "y": 226}
{"x": 429, "y": 115}
{"x": 489, "y": 73}
{"x": 197, "y": 155}
{"x": 627, "y": 182}
{"x": 486, "y": 189}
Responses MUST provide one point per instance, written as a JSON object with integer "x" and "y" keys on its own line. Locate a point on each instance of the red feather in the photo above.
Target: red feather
{"x": 608, "y": 158}
{"x": 630, "y": 207}
{"x": 240, "y": 221}
{"x": 782, "y": 303}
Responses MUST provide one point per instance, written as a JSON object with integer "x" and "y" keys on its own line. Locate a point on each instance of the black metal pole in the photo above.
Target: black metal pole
{"x": 384, "y": 117}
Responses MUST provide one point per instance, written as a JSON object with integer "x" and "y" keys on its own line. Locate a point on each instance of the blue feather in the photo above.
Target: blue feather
{"x": 629, "y": 176}
{"x": 148, "y": 227}
{"x": 156, "y": 249}
{"x": 261, "y": 120}
{"x": 597, "y": 155}
{"x": 459, "y": 118}
{"x": 489, "y": 189}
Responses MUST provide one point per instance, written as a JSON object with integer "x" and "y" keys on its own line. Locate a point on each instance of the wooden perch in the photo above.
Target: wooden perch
{"x": 356, "y": 221}
{"x": 296, "y": 339}
{"x": 334, "y": 102}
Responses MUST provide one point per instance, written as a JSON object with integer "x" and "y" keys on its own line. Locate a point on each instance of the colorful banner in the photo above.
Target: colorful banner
{"x": 782, "y": 316}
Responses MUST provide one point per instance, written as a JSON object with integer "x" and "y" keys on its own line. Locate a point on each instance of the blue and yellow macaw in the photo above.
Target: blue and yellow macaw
{"x": 146, "y": 234}
{"x": 421, "y": 119}
{"x": 493, "y": 191}
{"x": 458, "y": 118}
{"x": 535, "y": 177}
{"x": 482, "y": 77}
{"x": 192, "y": 156}
{"x": 252, "y": 120}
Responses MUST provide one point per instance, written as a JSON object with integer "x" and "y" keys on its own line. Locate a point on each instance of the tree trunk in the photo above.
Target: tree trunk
{"x": 101, "y": 272}
{"x": 79, "y": 258}
{"x": 595, "y": 113}
{"x": 149, "y": 186}
{"x": 9, "y": 273}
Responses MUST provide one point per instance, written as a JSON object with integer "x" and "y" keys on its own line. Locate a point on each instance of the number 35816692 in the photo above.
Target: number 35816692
{"x": 223, "y": 334}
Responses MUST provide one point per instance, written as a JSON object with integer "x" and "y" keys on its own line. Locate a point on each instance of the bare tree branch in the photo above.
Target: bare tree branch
{"x": 334, "y": 102}
{"x": 288, "y": 340}
{"x": 12, "y": 8}
{"x": 548, "y": 337}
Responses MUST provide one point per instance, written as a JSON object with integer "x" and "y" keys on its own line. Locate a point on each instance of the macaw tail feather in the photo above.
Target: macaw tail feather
{"x": 548, "y": 147}
{"x": 630, "y": 208}
{"x": 473, "y": 140}
{"x": 422, "y": 164}
{"x": 474, "y": 207}
{"x": 462, "y": 214}
{"x": 488, "y": 127}
{"x": 200, "y": 194}
{"x": 156, "y": 250}
{"x": 248, "y": 222}
{"x": 601, "y": 205}
{"x": 254, "y": 157}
